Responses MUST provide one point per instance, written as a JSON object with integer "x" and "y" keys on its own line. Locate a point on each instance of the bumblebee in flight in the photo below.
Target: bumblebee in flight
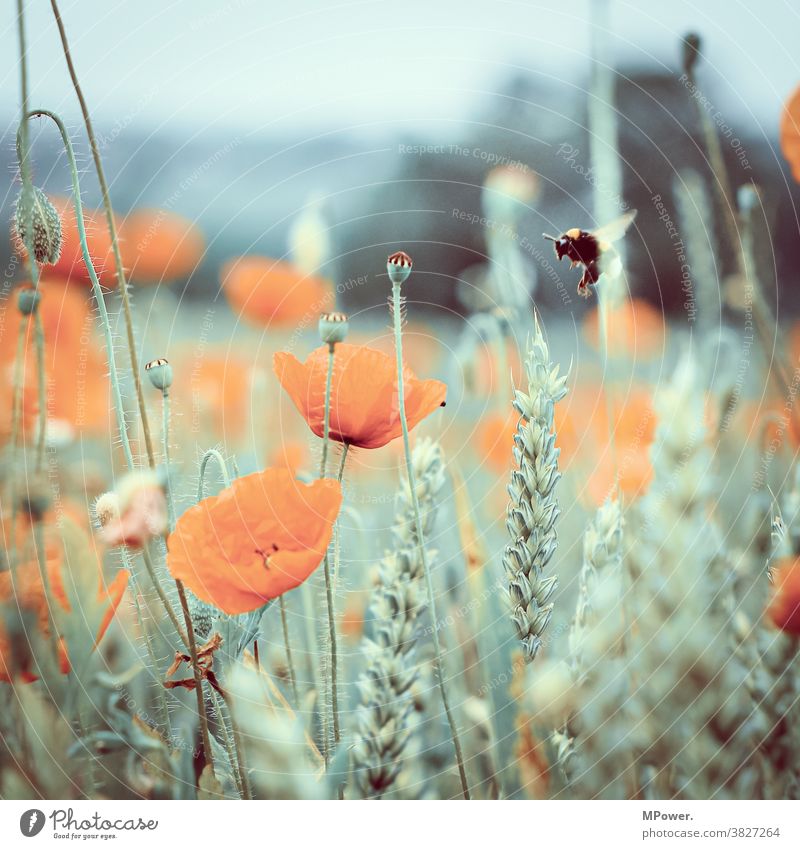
{"x": 594, "y": 250}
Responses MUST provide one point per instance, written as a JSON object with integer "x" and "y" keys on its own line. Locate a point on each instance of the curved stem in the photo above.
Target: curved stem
{"x": 96, "y": 289}
{"x": 398, "y": 341}
{"x": 187, "y": 616}
{"x": 112, "y": 229}
{"x": 211, "y": 454}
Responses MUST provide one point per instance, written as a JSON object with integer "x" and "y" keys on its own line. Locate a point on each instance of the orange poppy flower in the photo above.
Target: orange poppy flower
{"x": 70, "y": 265}
{"x": 269, "y": 292}
{"x": 583, "y": 435}
{"x": 262, "y": 536}
{"x": 159, "y": 245}
{"x": 636, "y": 329}
{"x": 76, "y": 370}
{"x": 790, "y": 132}
{"x": 28, "y": 594}
{"x": 784, "y": 608}
{"x": 217, "y": 389}
{"x": 364, "y": 408}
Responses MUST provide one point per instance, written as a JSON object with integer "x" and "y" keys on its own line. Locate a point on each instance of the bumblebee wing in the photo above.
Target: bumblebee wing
{"x": 616, "y": 229}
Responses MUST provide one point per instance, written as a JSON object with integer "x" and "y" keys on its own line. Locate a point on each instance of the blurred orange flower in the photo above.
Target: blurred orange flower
{"x": 636, "y": 329}
{"x": 216, "y": 388}
{"x": 495, "y": 439}
{"x": 160, "y": 245}
{"x": 27, "y": 594}
{"x": 364, "y": 409}
{"x": 76, "y": 370}
{"x": 784, "y": 608}
{"x": 262, "y": 536}
{"x": 583, "y": 434}
{"x": 790, "y": 132}
{"x": 271, "y": 292}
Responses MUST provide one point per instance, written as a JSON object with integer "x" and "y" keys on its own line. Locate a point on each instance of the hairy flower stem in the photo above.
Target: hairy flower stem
{"x": 187, "y": 616}
{"x": 23, "y": 156}
{"x": 333, "y": 649}
{"x": 106, "y": 324}
{"x": 288, "y": 646}
{"x": 96, "y": 289}
{"x": 41, "y": 560}
{"x": 16, "y": 419}
{"x": 170, "y": 610}
{"x": 40, "y": 383}
{"x": 136, "y": 592}
{"x": 112, "y": 229}
{"x": 326, "y": 427}
{"x": 437, "y": 649}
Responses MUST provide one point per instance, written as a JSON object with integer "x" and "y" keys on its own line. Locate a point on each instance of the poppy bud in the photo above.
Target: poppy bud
{"x": 691, "y": 51}
{"x": 333, "y": 327}
{"x": 399, "y": 267}
{"x": 160, "y": 373}
{"x": 35, "y": 207}
{"x": 28, "y": 300}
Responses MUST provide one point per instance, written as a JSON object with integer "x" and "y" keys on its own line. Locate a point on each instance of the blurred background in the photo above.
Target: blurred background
{"x": 385, "y": 119}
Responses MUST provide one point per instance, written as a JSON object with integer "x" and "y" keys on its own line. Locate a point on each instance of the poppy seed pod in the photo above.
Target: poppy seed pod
{"x": 399, "y": 267}
{"x": 160, "y": 373}
{"x": 28, "y": 300}
{"x": 333, "y": 327}
{"x": 35, "y": 207}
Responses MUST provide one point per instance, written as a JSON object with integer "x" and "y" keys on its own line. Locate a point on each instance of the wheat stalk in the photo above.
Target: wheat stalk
{"x": 533, "y": 508}
{"x": 383, "y": 729}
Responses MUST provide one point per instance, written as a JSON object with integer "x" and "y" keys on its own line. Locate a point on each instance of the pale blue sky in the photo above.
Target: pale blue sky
{"x": 300, "y": 67}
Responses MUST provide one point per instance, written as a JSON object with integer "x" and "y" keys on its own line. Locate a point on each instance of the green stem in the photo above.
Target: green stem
{"x": 238, "y": 747}
{"x": 165, "y": 438}
{"x": 16, "y": 416}
{"x": 112, "y": 229}
{"x": 23, "y": 152}
{"x": 327, "y": 422}
{"x": 136, "y": 592}
{"x": 40, "y": 380}
{"x": 333, "y": 651}
{"x": 96, "y": 289}
{"x": 41, "y": 560}
{"x": 187, "y": 616}
{"x": 412, "y": 482}
{"x": 170, "y": 610}
{"x": 33, "y": 268}
{"x": 198, "y": 678}
{"x": 288, "y": 645}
